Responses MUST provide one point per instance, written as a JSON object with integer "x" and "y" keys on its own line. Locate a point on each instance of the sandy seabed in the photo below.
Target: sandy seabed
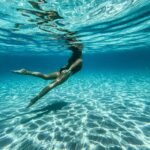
{"x": 89, "y": 112}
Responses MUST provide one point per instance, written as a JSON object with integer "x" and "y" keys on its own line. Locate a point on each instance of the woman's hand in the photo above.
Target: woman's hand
{"x": 66, "y": 72}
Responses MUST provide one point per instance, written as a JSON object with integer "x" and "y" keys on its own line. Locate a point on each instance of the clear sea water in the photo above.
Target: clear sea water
{"x": 105, "y": 106}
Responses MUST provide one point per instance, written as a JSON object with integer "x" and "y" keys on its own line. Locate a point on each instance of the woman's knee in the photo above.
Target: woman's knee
{"x": 62, "y": 78}
{"x": 52, "y": 76}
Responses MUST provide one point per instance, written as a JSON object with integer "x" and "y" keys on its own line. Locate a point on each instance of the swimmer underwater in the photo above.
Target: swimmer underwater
{"x": 74, "y": 63}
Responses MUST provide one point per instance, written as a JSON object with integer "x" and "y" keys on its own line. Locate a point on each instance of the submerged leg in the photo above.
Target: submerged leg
{"x": 62, "y": 78}
{"x": 52, "y": 76}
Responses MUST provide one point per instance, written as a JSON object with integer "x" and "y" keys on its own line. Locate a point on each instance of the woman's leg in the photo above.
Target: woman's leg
{"x": 61, "y": 79}
{"x": 50, "y": 76}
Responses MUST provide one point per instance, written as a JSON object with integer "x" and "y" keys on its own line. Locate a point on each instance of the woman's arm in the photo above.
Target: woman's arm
{"x": 75, "y": 64}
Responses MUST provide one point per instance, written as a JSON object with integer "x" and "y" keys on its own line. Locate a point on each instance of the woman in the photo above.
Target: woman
{"x": 74, "y": 63}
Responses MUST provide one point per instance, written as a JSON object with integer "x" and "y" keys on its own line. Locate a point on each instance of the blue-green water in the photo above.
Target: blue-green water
{"x": 105, "y": 106}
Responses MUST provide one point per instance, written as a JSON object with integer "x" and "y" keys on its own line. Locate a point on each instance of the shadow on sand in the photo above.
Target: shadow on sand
{"x": 39, "y": 112}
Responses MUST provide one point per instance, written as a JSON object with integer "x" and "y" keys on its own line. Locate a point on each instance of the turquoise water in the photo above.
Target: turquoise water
{"x": 106, "y": 105}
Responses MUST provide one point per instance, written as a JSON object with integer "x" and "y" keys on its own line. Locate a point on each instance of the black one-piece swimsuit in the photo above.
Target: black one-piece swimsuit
{"x": 76, "y": 55}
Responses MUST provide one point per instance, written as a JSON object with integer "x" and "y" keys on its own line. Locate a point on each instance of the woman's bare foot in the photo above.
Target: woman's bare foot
{"x": 20, "y": 71}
